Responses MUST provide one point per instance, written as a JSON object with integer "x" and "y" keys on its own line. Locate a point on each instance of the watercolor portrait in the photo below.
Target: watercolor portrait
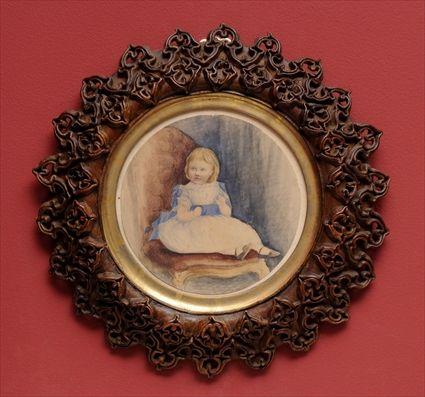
{"x": 211, "y": 203}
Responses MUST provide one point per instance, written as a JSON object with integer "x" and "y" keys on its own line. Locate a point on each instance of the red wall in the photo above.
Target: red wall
{"x": 374, "y": 49}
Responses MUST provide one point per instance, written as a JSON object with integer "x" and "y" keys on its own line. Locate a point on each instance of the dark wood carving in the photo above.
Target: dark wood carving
{"x": 339, "y": 262}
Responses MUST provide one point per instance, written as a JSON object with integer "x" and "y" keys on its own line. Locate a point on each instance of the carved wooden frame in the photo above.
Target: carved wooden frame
{"x": 350, "y": 226}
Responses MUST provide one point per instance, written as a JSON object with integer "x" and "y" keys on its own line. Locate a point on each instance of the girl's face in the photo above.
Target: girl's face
{"x": 199, "y": 171}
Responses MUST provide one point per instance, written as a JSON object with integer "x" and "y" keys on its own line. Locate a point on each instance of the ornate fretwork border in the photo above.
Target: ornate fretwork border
{"x": 339, "y": 262}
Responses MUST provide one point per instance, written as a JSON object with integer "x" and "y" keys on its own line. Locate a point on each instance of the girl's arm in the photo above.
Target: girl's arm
{"x": 223, "y": 201}
{"x": 225, "y": 208}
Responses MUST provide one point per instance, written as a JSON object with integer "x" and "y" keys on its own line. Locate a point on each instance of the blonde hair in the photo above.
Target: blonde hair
{"x": 207, "y": 155}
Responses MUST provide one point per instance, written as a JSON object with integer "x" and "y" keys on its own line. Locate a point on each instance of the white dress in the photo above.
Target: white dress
{"x": 211, "y": 232}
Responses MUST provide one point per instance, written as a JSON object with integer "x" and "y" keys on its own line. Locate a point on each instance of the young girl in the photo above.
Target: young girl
{"x": 200, "y": 220}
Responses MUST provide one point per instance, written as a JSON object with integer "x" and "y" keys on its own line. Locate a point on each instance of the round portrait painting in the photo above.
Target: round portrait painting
{"x": 213, "y": 200}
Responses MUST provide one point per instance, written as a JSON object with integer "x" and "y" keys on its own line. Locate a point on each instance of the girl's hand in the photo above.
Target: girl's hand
{"x": 197, "y": 211}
